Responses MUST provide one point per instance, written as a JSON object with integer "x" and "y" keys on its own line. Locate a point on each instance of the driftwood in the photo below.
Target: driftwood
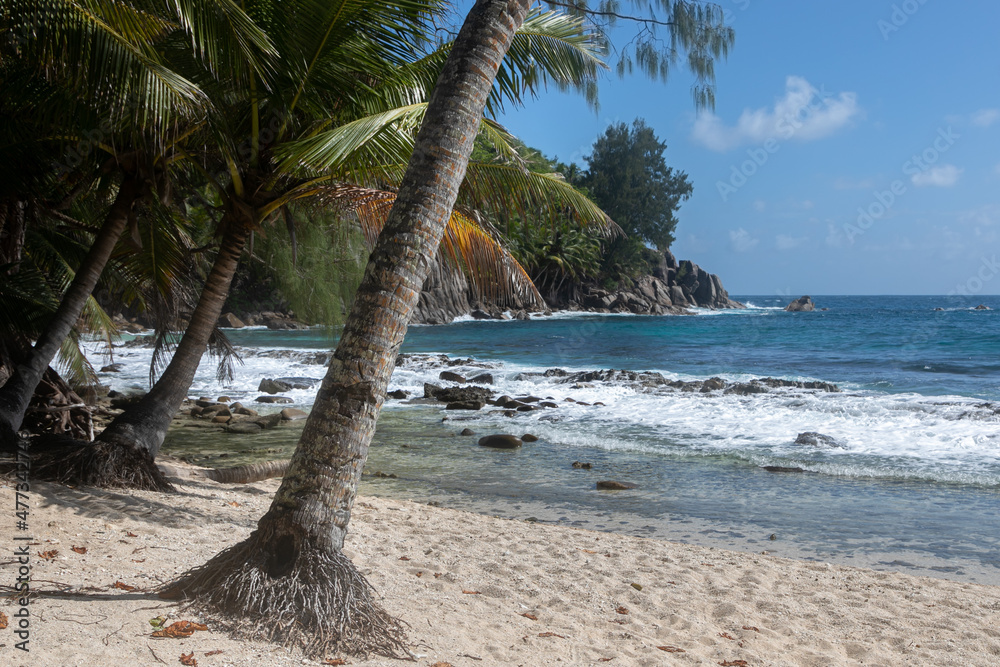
{"x": 254, "y": 472}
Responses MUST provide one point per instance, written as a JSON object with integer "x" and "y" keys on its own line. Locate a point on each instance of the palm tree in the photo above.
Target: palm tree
{"x": 111, "y": 57}
{"x": 290, "y": 581}
{"x": 317, "y": 147}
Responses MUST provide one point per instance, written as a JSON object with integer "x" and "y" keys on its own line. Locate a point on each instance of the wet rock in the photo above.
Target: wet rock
{"x": 268, "y": 421}
{"x": 526, "y": 408}
{"x": 548, "y": 404}
{"x": 613, "y": 485}
{"x": 500, "y": 441}
{"x": 113, "y": 368}
{"x": 221, "y": 419}
{"x": 385, "y": 475}
{"x": 555, "y": 373}
{"x": 293, "y": 414}
{"x": 528, "y": 399}
{"x": 482, "y": 378}
{"x": 467, "y": 431}
{"x": 461, "y": 394}
{"x": 581, "y": 465}
{"x": 451, "y": 377}
{"x": 223, "y": 399}
{"x": 510, "y": 413}
{"x": 782, "y": 469}
{"x": 398, "y": 394}
{"x": 269, "y": 386}
{"x": 803, "y": 304}
{"x": 527, "y": 437}
{"x": 273, "y": 399}
{"x": 465, "y": 405}
{"x": 982, "y": 306}
{"x": 813, "y": 439}
{"x": 196, "y": 411}
{"x": 431, "y": 389}
{"x": 230, "y": 321}
{"x": 246, "y": 412}
{"x": 713, "y": 384}
{"x": 746, "y": 388}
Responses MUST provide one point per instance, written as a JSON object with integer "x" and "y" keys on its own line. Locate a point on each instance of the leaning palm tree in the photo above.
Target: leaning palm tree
{"x": 290, "y": 580}
{"x": 316, "y": 146}
{"x": 107, "y": 63}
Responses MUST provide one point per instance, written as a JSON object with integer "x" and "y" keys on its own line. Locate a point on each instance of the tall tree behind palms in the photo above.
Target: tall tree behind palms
{"x": 290, "y": 580}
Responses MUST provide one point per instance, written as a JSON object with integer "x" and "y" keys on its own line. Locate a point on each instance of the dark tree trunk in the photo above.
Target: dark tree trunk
{"x": 16, "y": 394}
{"x": 289, "y": 580}
{"x": 123, "y": 455}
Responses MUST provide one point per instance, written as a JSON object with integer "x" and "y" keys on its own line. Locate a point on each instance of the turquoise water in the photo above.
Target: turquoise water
{"x": 913, "y": 485}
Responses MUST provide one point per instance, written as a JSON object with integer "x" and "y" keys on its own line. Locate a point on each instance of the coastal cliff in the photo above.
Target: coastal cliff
{"x": 672, "y": 288}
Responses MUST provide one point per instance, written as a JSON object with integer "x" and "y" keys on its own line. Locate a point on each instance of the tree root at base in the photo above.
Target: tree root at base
{"x": 100, "y": 464}
{"x": 322, "y": 604}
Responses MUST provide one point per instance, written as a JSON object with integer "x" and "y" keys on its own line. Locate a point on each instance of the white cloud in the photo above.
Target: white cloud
{"x": 742, "y": 241}
{"x": 759, "y": 205}
{"x": 944, "y": 176}
{"x": 804, "y": 113}
{"x": 985, "y": 117}
{"x": 783, "y": 242}
{"x": 834, "y": 237}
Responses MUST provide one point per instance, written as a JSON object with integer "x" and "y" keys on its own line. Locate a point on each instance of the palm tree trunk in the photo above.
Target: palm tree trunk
{"x": 15, "y": 395}
{"x": 123, "y": 454}
{"x": 290, "y": 576}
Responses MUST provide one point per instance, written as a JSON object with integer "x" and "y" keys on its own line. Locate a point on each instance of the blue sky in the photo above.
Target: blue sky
{"x": 854, "y": 147}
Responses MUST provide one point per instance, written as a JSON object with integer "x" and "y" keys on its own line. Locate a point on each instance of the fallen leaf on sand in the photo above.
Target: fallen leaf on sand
{"x": 335, "y": 661}
{"x": 216, "y": 652}
{"x": 751, "y": 627}
{"x": 124, "y": 587}
{"x": 404, "y": 558}
{"x": 734, "y": 663}
{"x": 472, "y": 592}
{"x": 550, "y": 634}
{"x": 530, "y": 616}
{"x": 671, "y": 649}
{"x": 189, "y": 660}
{"x": 621, "y": 610}
{"x": 420, "y": 574}
{"x": 588, "y": 551}
{"x": 130, "y": 534}
{"x": 233, "y": 503}
{"x": 708, "y": 565}
{"x": 180, "y": 629}
{"x": 143, "y": 560}
{"x": 437, "y": 575}
{"x": 3, "y": 621}
{"x": 726, "y": 635}
{"x": 79, "y": 550}
{"x": 605, "y": 659}
{"x": 49, "y": 555}
{"x": 441, "y": 664}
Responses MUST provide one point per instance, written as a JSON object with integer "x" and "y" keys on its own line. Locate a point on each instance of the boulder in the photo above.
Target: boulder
{"x": 580, "y": 465}
{"x": 482, "y": 378}
{"x": 500, "y": 441}
{"x": 398, "y": 394}
{"x": 781, "y": 469}
{"x": 244, "y": 428}
{"x": 269, "y": 386}
{"x": 230, "y": 321}
{"x": 527, "y": 437}
{"x": 431, "y": 389}
{"x": 293, "y": 414}
{"x": 713, "y": 384}
{"x": 246, "y": 412}
{"x": 982, "y": 306}
{"x": 451, "y": 377}
{"x": 459, "y": 394}
{"x": 803, "y": 304}
{"x": 467, "y": 431}
{"x": 113, "y": 368}
{"x": 274, "y": 399}
{"x": 465, "y": 405}
{"x": 813, "y": 439}
{"x": 613, "y": 485}
{"x": 268, "y": 421}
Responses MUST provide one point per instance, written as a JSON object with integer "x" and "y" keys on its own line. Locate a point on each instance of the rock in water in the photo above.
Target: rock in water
{"x": 467, "y": 431}
{"x": 452, "y": 377}
{"x": 612, "y": 485}
{"x": 269, "y": 386}
{"x": 580, "y": 465}
{"x": 230, "y": 321}
{"x": 813, "y": 439}
{"x": 803, "y": 304}
{"x": 293, "y": 414}
{"x": 527, "y": 437}
{"x": 398, "y": 394}
{"x": 500, "y": 441}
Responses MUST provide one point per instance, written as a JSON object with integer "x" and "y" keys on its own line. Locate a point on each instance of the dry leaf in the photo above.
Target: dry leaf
{"x": 441, "y": 664}
{"x": 404, "y": 558}
{"x": 671, "y": 649}
{"x": 124, "y": 587}
{"x": 189, "y": 660}
{"x": 180, "y": 629}
{"x": 437, "y": 575}
{"x": 530, "y": 616}
{"x": 472, "y": 592}
{"x": 621, "y": 610}
{"x": 3, "y": 621}
{"x": 726, "y": 635}
{"x": 79, "y": 550}
{"x": 708, "y": 565}
{"x": 751, "y": 627}
{"x": 588, "y": 551}
{"x": 334, "y": 661}
{"x": 605, "y": 659}
{"x": 215, "y": 652}
{"x": 49, "y": 555}
{"x": 233, "y": 503}
{"x": 420, "y": 574}
{"x": 734, "y": 663}
{"x": 550, "y": 634}
{"x": 130, "y": 534}
{"x": 139, "y": 561}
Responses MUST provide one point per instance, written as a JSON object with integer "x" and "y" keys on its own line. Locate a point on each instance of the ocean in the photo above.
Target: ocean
{"x": 908, "y": 477}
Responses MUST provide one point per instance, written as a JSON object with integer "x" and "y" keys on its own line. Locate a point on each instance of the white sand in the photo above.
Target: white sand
{"x": 716, "y": 605}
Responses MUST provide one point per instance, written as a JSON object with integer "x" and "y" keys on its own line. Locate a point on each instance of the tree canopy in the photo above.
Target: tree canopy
{"x": 629, "y": 179}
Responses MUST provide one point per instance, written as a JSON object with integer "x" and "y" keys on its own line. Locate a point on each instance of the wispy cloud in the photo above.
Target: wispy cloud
{"x": 784, "y": 242}
{"x": 804, "y": 113}
{"x": 985, "y": 117}
{"x": 943, "y": 176}
{"x": 742, "y": 241}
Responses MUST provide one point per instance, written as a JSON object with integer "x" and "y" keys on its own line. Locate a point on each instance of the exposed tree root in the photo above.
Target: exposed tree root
{"x": 253, "y": 472}
{"x": 292, "y": 594}
{"x": 102, "y": 464}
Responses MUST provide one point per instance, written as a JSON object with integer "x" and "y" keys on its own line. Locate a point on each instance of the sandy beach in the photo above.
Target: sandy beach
{"x": 476, "y": 590}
